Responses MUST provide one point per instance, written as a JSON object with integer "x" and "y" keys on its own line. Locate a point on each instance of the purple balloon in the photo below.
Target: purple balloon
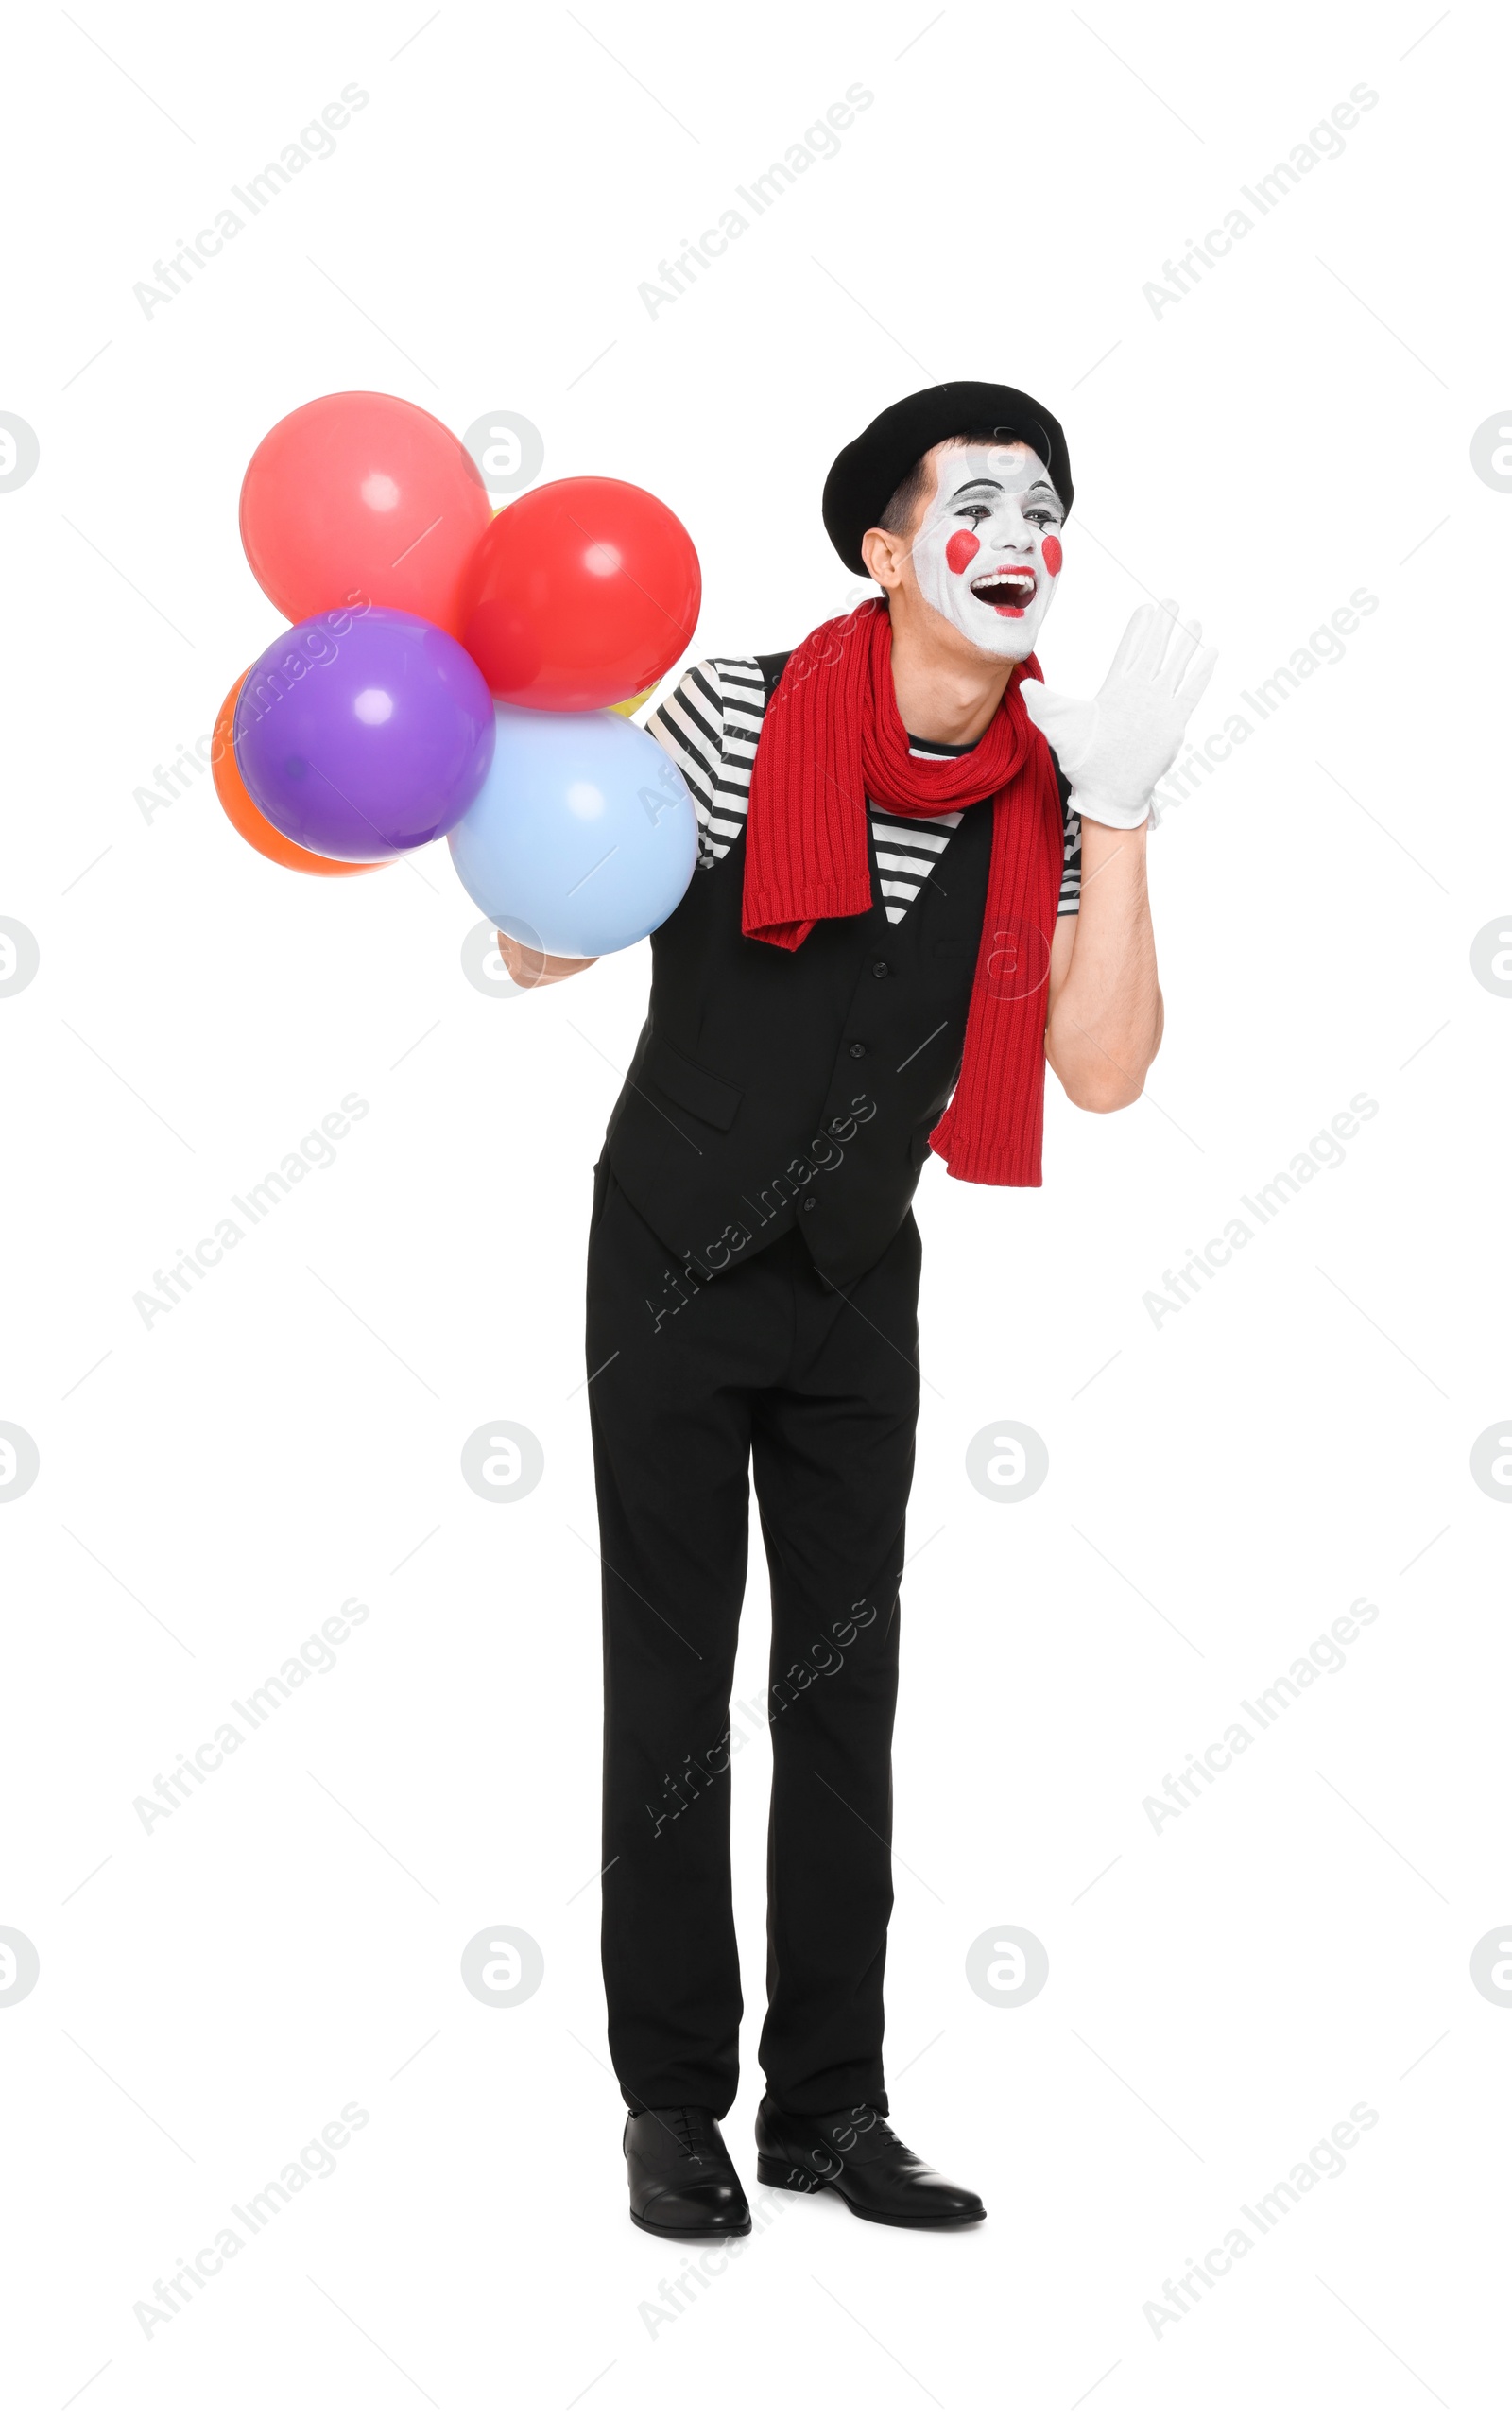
{"x": 364, "y": 732}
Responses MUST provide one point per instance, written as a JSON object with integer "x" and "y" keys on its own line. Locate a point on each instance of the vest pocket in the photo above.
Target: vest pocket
{"x": 708, "y": 1097}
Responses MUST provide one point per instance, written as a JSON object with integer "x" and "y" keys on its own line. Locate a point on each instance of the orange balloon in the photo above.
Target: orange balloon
{"x": 248, "y": 815}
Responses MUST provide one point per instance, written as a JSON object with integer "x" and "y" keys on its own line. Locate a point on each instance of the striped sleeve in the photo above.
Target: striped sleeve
{"x": 1070, "y": 903}
{"x": 744, "y": 691}
{"x": 690, "y": 725}
{"x": 1070, "y": 865}
{"x": 708, "y": 725}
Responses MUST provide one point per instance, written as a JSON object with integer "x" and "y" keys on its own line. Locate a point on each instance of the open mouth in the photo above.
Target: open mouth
{"x": 1007, "y": 592}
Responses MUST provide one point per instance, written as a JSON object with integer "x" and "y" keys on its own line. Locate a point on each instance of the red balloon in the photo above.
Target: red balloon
{"x": 363, "y": 494}
{"x": 581, "y": 591}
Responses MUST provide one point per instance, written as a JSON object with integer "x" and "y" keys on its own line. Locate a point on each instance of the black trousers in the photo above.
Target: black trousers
{"x": 768, "y": 1369}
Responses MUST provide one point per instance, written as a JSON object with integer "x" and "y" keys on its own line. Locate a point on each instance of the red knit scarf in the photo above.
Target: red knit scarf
{"x": 832, "y": 740}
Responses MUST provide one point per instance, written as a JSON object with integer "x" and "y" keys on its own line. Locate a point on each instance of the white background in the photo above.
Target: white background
{"x": 1221, "y": 1487}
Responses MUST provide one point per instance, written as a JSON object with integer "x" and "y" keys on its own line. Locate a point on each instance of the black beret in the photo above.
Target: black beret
{"x": 874, "y": 465}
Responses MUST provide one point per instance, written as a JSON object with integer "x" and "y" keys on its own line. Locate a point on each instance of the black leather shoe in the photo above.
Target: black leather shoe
{"x": 855, "y": 2153}
{"x": 683, "y": 2180}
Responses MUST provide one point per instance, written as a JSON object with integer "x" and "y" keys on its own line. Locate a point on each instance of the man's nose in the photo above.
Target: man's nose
{"x": 1015, "y": 536}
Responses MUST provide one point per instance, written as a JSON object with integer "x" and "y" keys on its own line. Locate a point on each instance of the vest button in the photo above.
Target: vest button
{"x": 811, "y": 1202}
{"x": 881, "y": 967}
{"x": 858, "y": 1050}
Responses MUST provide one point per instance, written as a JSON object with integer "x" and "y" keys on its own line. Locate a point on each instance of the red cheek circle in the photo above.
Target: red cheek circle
{"x": 1051, "y": 551}
{"x": 962, "y": 548}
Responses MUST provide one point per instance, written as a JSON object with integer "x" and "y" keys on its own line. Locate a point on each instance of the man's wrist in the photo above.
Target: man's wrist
{"x": 1093, "y": 809}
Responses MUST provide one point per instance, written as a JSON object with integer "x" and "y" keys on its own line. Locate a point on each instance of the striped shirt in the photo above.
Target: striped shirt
{"x": 710, "y": 724}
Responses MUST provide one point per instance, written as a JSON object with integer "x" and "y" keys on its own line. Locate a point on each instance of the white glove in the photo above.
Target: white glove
{"x": 1115, "y": 747}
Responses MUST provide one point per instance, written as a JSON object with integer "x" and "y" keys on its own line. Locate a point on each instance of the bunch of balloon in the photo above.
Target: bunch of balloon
{"x": 446, "y": 673}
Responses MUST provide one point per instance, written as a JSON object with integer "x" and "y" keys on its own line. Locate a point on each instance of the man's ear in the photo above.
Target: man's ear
{"x": 884, "y": 555}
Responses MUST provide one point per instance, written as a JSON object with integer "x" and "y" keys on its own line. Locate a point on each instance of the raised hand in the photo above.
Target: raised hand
{"x": 1115, "y": 747}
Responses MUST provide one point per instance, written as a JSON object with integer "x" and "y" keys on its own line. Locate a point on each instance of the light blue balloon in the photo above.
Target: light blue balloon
{"x": 583, "y": 837}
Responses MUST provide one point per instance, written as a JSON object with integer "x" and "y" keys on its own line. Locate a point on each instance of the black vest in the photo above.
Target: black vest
{"x": 773, "y": 1088}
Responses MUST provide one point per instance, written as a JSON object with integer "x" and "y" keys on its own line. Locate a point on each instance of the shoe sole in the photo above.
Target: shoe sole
{"x": 689, "y": 2235}
{"x": 789, "y": 2179}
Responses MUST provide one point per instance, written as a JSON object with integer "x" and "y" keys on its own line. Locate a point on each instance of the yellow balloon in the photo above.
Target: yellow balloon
{"x": 628, "y": 705}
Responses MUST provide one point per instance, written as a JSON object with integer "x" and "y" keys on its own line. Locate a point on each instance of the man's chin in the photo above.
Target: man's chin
{"x": 1014, "y": 644}
{"x": 994, "y": 638}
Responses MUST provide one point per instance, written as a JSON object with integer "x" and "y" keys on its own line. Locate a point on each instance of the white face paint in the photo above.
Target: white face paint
{"x": 986, "y": 553}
